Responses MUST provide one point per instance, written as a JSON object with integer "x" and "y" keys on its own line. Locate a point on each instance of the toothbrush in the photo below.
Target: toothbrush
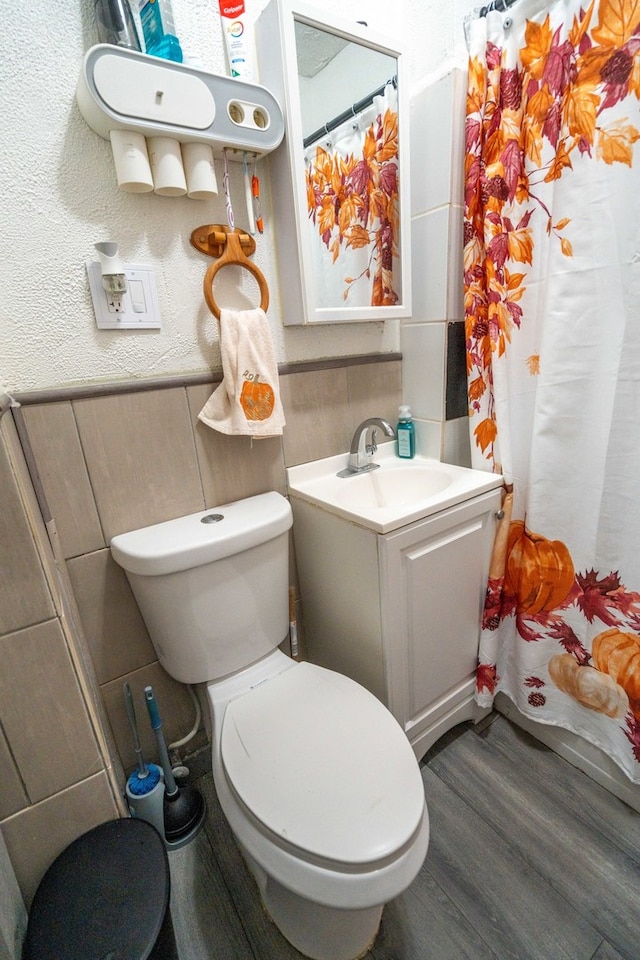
{"x": 248, "y": 195}
{"x": 257, "y": 206}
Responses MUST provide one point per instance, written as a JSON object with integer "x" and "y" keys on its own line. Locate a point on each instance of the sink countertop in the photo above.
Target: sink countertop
{"x": 399, "y": 492}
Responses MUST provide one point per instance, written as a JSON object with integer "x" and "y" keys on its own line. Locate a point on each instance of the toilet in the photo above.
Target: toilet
{"x": 314, "y": 775}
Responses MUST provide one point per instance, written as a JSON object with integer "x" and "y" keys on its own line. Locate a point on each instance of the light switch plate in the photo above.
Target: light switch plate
{"x": 139, "y": 305}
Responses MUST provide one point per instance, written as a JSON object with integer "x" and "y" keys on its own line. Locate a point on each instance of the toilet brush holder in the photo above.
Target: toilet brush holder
{"x": 148, "y": 806}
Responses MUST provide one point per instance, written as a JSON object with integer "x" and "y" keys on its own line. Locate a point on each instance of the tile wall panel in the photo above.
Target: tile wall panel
{"x": 114, "y": 628}
{"x": 316, "y": 409}
{"x": 12, "y": 793}
{"x": 232, "y": 468}
{"x": 456, "y": 446}
{"x": 141, "y": 458}
{"x": 42, "y": 711}
{"x": 36, "y": 835}
{"x": 458, "y": 144}
{"x": 24, "y": 594}
{"x": 373, "y": 390}
{"x": 429, "y": 438}
{"x": 431, "y": 133}
{"x": 434, "y": 367}
{"x": 429, "y": 264}
{"x": 174, "y": 702}
{"x": 455, "y": 266}
{"x": 423, "y": 353}
{"x": 456, "y": 402}
{"x": 57, "y": 450}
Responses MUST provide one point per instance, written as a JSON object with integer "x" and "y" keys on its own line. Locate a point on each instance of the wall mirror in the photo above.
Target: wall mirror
{"x": 340, "y": 179}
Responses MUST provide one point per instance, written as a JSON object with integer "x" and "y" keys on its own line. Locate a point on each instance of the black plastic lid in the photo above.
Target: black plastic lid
{"x": 105, "y": 896}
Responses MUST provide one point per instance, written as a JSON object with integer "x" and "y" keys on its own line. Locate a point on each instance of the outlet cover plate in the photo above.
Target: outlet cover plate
{"x": 138, "y": 306}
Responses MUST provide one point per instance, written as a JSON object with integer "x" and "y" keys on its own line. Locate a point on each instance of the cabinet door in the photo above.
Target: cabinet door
{"x": 433, "y": 575}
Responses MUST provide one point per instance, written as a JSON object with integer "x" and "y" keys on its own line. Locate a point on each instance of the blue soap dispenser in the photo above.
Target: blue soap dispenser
{"x": 406, "y": 434}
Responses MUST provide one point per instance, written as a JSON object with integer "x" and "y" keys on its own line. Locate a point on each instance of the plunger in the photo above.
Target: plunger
{"x": 184, "y": 808}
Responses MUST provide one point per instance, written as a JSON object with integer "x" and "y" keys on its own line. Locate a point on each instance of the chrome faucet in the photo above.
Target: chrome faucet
{"x": 361, "y": 452}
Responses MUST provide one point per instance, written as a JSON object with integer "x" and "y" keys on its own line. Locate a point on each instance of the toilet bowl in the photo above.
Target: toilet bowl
{"x": 303, "y": 766}
{"x": 315, "y": 777}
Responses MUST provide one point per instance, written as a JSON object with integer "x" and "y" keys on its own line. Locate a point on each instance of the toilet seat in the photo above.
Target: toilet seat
{"x": 323, "y": 766}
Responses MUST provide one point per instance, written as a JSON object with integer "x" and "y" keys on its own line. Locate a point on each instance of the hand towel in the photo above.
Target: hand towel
{"x": 247, "y": 402}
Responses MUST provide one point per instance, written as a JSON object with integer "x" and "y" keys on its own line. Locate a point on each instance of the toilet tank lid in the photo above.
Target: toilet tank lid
{"x": 193, "y": 541}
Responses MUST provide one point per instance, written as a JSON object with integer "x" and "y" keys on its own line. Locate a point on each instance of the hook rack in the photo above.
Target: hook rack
{"x": 211, "y": 239}
{"x": 230, "y": 248}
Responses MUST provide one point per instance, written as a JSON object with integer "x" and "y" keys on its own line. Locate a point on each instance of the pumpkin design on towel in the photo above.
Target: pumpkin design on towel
{"x": 539, "y": 573}
{"x": 618, "y": 654}
{"x": 257, "y": 399}
{"x": 593, "y": 689}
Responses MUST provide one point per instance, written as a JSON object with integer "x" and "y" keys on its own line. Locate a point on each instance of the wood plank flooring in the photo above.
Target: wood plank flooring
{"x": 529, "y": 859}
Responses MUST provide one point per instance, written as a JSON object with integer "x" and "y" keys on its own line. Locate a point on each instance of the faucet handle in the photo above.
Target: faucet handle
{"x": 373, "y": 446}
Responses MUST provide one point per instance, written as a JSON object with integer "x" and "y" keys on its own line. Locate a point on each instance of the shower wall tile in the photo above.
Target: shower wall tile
{"x": 429, "y": 438}
{"x": 423, "y": 352}
{"x": 114, "y": 628}
{"x": 141, "y": 458}
{"x": 455, "y": 442}
{"x": 24, "y": 594}
{"x": 316, "y": 409}
{"x": 32, "y": 842}
{"x": 455, "y": 268}
{"x": 431, "y": 118}
{"x": 456, "y": 402}
{"x": 458, "y": 105}
{"x": 232, "y": 468}
{"x": 56, "y": 447}
{"x": 429, "y": 264}
{"x": 42, "y": 711}
{"x": 432, "y": 377}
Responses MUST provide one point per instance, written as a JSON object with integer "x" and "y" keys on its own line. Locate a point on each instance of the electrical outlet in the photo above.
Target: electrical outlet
{"x": 137, "y": 309}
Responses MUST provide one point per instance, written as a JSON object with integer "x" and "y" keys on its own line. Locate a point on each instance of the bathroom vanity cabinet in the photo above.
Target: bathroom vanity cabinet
{"x": 400, "y": 612}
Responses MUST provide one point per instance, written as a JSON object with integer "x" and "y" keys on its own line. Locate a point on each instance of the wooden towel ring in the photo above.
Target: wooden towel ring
{"x": 233, "y": 255}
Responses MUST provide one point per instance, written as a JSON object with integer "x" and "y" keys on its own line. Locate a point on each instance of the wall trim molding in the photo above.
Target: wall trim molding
{"x": 108, "y": 389}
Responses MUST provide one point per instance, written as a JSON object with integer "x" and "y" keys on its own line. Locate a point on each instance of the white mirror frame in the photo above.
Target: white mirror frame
{"x": 276, "y": 45}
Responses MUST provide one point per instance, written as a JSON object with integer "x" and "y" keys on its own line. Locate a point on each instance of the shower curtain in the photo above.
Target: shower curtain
{"x": 552, "y": 312}
{"x": 352, "y": 198}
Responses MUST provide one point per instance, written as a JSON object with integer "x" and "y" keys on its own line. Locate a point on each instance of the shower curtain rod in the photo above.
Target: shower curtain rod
{"x": 479, "y": 12}
{"x": 352, "y": 111}
{"x": 496, "y": 5}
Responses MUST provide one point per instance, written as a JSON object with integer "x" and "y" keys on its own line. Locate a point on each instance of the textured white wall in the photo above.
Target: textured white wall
{"x": 59, "y": 197}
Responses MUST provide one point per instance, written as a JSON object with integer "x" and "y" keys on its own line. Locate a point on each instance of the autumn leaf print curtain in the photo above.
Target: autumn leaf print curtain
{"x": 352, "y": 198}
{"x": 552, "y": 302}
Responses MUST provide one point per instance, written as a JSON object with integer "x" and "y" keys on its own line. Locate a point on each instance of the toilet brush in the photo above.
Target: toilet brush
{"x": 144, "y": 789}
{"x": 184, "y": 807}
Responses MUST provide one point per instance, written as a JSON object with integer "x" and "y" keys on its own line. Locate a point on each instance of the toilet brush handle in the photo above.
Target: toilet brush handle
{"x": 171, "y": 788}
{"x": 131, "y": 714}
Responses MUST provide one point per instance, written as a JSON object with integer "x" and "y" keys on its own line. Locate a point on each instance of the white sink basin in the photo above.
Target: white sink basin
{"x": 397, "y": 493}
{"x": 393, "y": 486}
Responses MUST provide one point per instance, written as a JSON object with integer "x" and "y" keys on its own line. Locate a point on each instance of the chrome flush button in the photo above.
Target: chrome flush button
{"x": 212, "y": 518}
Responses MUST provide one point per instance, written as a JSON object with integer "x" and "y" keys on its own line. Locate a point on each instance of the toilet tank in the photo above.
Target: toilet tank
{"x": 212, "y": 587}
